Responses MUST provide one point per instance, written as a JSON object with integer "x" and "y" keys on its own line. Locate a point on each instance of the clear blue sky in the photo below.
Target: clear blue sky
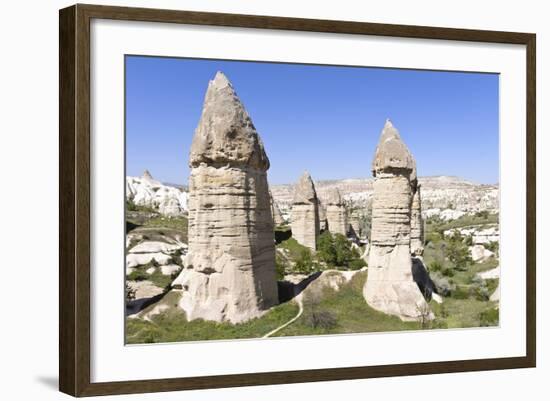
{"x": 323, "y": 119}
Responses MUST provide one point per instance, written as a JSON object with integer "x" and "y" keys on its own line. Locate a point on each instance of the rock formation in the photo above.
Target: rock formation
{"x": 390, "y": 287}
{"x": 417, "y": 223}
{"x": 305, "y": 212}
{"x": 323, "y": 224}
{"x": 165, "y": 199}
{"x": 336, "y": 213}
{"x": 229, "y": 272}
{"x": 278, "y": 219}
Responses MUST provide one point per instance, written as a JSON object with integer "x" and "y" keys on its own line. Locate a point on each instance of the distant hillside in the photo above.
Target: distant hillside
{"x": 442, "y": 192}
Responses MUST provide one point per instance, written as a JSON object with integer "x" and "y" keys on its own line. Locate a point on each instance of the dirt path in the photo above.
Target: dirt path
{"x": 298, "y": 300}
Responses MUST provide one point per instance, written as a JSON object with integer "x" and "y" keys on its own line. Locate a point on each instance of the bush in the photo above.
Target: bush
{"x": 320, "y": 319}
{"x": 443, "y": 285}
{"x": 304, "y": 264}
{"x": 478, "y": 289}
{"x": 137, "y": 275}
{"x": 458, "y": 254}
{"x": 492, "y": 246}
{"x": 281, "y": 266}
{"x": 484, "y": 214}
{"x": 336, "y": 251}
{"x": 435, "y": 266}
{"x": 130, "y": 293}
{"x": 356, "y": 264}
{"x": 316, "y": 317}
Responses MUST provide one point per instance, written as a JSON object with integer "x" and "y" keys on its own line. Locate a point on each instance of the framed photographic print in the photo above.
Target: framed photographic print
{"x": 250, "y": 200}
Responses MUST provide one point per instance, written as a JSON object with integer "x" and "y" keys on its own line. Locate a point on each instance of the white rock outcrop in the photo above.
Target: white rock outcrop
{"x": 390, "y": 287}
{"x": 146, "y": 191}
{"x": 229, "y": 272}
{"x": 140, "y": 259}
{"x": 480, "y": 254}
{"x": 305, "y": 224}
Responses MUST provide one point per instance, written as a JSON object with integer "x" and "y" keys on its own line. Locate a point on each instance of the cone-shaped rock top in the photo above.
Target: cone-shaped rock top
{"x": 334, "y": 197}
{"x": 226, "y": 134}
{"x": 304, "y": 191}
{"x": 391, "y": 152}
{"x": 147, "y": 174}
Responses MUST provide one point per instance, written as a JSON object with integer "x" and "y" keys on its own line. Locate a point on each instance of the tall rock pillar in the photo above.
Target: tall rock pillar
{"x": 390, "y": 287}
{"x": 305, "y": 213}
{"x": 229, "y": 272}
{"x": 336, "y": 213}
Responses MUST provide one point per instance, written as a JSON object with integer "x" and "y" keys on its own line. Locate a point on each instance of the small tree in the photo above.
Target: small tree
{"x": 130, "y": 293}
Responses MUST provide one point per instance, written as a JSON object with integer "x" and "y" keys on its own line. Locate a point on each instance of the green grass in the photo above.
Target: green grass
{"x": 174, "y": 223}
{"x": 464, "y": 313}
{"x": 294, "y": 248}
{"x": 352, "y": 313}
{"x": 173, "y": 326}
{"x": 437, "y": 225}
{"x": 157, "y": 278}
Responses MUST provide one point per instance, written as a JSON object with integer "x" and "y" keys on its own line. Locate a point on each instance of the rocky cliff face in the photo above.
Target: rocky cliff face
{"x": 230, "y": 267}
{"x": 390, "y": 287}
{"x": 305, "y": 213}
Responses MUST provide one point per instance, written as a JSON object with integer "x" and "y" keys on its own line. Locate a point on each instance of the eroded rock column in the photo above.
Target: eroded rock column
{"x": 229, "y": 272}
{"x": 305, "y": 212}
{"x": 417, "y": 223}
{"x": 390, "y": 287}
{"x": 336, "y": 213}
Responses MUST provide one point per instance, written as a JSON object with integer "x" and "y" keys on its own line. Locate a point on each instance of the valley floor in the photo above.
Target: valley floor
{"x": 331, "y": 303}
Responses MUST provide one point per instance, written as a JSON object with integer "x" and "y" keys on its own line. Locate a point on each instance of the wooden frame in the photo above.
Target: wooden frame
{"x": 74, "y": 199}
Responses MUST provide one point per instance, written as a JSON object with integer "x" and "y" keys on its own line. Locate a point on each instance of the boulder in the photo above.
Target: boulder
{"x": 480, "y": 254}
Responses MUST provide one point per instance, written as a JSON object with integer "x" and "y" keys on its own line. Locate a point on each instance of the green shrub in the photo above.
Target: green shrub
{"x": 435, "y": 266}
{"x": 130, "y": 293}
{"x": 281, "y": 266}
{"x": 304, "y": 264}
{"x": 335, "y": 250}
{"x": 356, "y": 264}
{"x": 137, "y": 275}
{"x": 442, "y": 284}
{"x": 478, "y": 289}
{"x": 492, "y": 246}
{"x": 458, "y": 254}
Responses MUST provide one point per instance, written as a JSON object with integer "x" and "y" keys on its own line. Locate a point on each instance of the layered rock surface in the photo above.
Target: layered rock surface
{"x": 336, "y": 213}
{"x": 417, "y": 222}
{"x": 278, "y": 219}
{"x": 229, "y": 272}
{"x": 390, "y": 287}
{"x": 305, "y": 212}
